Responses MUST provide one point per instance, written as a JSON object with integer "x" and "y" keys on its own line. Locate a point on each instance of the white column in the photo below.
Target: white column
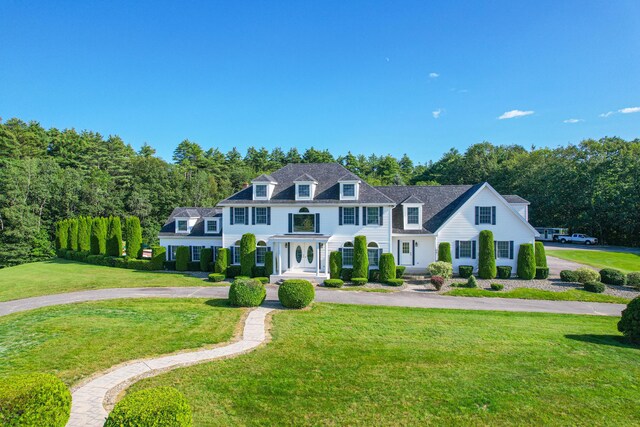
{"x": 326, "y": 258}
{"x": 317, "y": 258}
{"x": 279, "y": 258}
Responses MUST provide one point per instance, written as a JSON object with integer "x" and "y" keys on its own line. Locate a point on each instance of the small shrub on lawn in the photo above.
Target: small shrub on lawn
{"x": 465, "y": 271}
{"x": 222, "y": 261}
{"x": 360, "y": 257}
{"x": 542, "y": 273}
{"x": 169, "y": 265}
{"x": 206, "y": 258}
{"x": 400, "y": 271}
{"x": 472, "y": 282}
{"x": 333, "y": 283}
{"x": 486, "y": 256}
{"x": 497, "y": 286}
{"x": 387, "y": 267}
{"x": 541, "y": 255}
{"x": 296, "y": 293}
{"x": 633, "y": 279}
{"x": 246, "y": 293}
{"x": 158, "y": 255}
{"x": 140, "y": 264}
{"x": 193, "y": 266}
{"x": 216, "y": 277}
{"x": 444, "y": 252}
{"x": 268, "y": 263}
{"x": 526, "y": 262}
{"x": 182, "y": 258}
{"x": 437, "y": 282}
{"x": 595, "y": 287}
{"x": 335, "y": 264}
{"x": 359, "y": 281}
{"x": 34, "y": 400}
{"x": 441, "y": 268}
{"x": 504, "y": 271}
{"x": 247, "y": 253}
{"x": 611, "y": 276}
{"x": 629, "y": 324}
{"x": 568, "y": 276}
{"x": 233, "y": 271}
{"x": 346, "y": 274}
{"x": 585, "y": 274}
{"x": 395, "y": 282}
{"x": 263, "y": 280}
{"x": 157, "y": 406}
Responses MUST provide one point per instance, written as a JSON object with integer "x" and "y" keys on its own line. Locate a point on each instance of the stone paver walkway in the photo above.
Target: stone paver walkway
{"x": 87, "y": 407}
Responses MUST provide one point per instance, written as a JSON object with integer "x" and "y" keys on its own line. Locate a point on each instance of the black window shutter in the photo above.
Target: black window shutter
{"x": 413, "y": 252}
{"x": 269, "y": 216}
{"x": 290, "y": 223}
{"x": 357, "y": 214}
{"x": 246, "y": 216}
{"x": 231, "y": 216}
{"x": 317, "y": 223}
{"x": 477, "y": 215}
{"x": 364, "y": 215}
{"x": 380, "y": 222}
{"x": 232, "y": 249}
{"x": 473, "y": 249}
{"x": 495, "y": 249}
{"x": 398, "y": 251}
{"x": 253, "y": 215}
{"x": 190, "y": 253}
{"x": 457, "y": 249}
{"x": 169, "y": 253}
{"x": 340, "y": 215}
{"x": 511, "y": 249}
{"x": 493, "y": 215}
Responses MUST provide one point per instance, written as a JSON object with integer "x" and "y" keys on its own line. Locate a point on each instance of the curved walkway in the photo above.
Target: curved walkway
{"x": 423, "y": 299}
{"x": 87, "y": 406}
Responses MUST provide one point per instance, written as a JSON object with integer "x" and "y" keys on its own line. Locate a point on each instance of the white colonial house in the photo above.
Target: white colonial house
{"x": 302, "y": 212}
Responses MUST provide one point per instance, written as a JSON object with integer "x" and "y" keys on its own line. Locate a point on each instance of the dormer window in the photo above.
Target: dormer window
{"x": 261, "y": 190}
{"x": 263, "y": 187}
{"x": 211, "y": 226}
{"x": 303, "y": 191}
{"x": 305, "y": 187}
{"x": 182, "y": 226}
{"x": 349, "y": 190}
{"x": 412, "y": 214}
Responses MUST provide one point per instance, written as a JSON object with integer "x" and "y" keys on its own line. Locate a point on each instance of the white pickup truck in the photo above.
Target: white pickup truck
{"x": 577, "y": 238}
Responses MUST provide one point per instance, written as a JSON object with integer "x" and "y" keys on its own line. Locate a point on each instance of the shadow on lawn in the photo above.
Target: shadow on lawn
{"x": 612, "y": 340}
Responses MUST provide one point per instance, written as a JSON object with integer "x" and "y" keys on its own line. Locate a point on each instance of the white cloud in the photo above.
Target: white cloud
{"x": 607, "y": 114}
{"x": 436, "y": 114}
{"x": 573, "y": 121}
{"x": 434, "y": 75}
{"x": 629, "y": 110}
{"x": 514, "y": 113}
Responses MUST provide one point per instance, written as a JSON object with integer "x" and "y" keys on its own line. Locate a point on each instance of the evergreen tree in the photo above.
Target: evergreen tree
{"x": 133, "y": 234}
{"x": 84, "y": 233}
{"x": 73, "y": 234}
{"x": 114, "y": 237}
{"x": 98, "y": 236}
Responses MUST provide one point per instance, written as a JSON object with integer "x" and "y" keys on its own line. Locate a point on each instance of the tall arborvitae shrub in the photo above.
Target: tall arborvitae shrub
{"x": 247, "y": 254}
{"x": 526, "y": 262}
{"x": 182, "y": 258}
{"x": 444, "y": 252}
{"x": 206, "y": 258}
{"x": 222, "y": 261}
{"x": 98, "y": 237}
{"x": 73, "y": 234}
{"x": 360, "y": 258}
{"x": 335, "y": 264}
{"x": 541, "y": 255}
{"x": 486, "y": 256}
{"x": 114, "y": 237}
{"x": 84, "y": 233}
{"x": 134, "y": 237}
{"x": 62, "y": 234}
{"x": 268, "y": 263}
{"x": 158, "y": 256}
{"x": 387, "y": 267}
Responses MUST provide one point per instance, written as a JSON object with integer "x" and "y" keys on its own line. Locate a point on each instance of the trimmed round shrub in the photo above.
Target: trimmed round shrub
{"x": 182, "y": 258}
{"x": 497, "y": 286}
{"x": 541, "y": 255}
{"x": 585, "y": 274}
{"x": 395, "y": 282}
{"x": 568, "y": 276}
{"x": 486, "y": 256}
{"x": 633, "y": 279}
{"x": 333, "y": 283}
{"x": 437, "y": 282}
{"x": 441, "y": 268}
{"x": 335, "y": 264}
{"x": 34, "y": 400}
{"x": 465, "y": 271}
{"x": 611, "y": 276}
{"x": 222, "y": 261}
{"x": 387, "y": 267}
{"x": 629, "y": 324}
{"x": 542, "y": 273}
{"x": 157, "y": 406}
{"x": 400, "y": 271}
{"x": 206, "y": 258}
{"x": 444, "y": 252}
{"x": 247, "y": 253}
{"x": 245, "y": 292}
{"x": 360, "y": 257}
{"x": 596, "y": 287}
{"x": 359, "y": 281}
{"x": 346, "y": 274}
{"x": 263, "y": 280}
{"x": 472, "y": 282}
{"x": 504, "y": 271}
{"x": 296, "y": 293}
{"x": 216, "y": 277}
{"x": 526, "y": 262}
{"x": 268, "y": 263}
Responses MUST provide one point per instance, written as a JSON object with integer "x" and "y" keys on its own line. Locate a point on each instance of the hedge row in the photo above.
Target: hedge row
{"x": 158, "y": 406}
{"x": 109, "y": 261}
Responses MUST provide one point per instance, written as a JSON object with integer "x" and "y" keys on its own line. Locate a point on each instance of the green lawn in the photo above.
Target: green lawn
{"x": 530, "y": 293}
{"x": 77, "y": 340}
{"x": 359, "y": 365}
{"x": 623, "y": 261}
{"x": 57, "y": 276}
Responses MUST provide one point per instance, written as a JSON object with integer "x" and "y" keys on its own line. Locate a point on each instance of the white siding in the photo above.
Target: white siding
{"x": 190, "y": 241}
{"x": 522, "y": 209}
{"x": 424, "y": 247}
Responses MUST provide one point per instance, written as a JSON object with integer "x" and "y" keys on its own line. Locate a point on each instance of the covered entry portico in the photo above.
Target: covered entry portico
{"x": 300, "y": 256}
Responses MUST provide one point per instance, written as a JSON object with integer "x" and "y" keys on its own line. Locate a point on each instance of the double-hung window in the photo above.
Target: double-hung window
{"x": 195, "y": 253}
{"x": 182, "y": 225}
{"x": 503, "y": 249}
{"x": 373, "y": 253}
{"x": 304, "y": 190}
{"x": 238, "y": 215}
{"x": 261, "y": 250}
{"x": 484, "y": 215}
{"x": 465, "y": 249}
{"x": 413, "y": 215}
{"x": 212, "y": 226}
{"x": 349, "y": 216}
{"x": 261, "y": 215}
{"x": 373, "y": 215}
{"x": 348, "y": 190}
{"x": 172, "y": 254}
{"x": 236, "y": 253}
{"x": 347, "y": 254}
{"x": 261, "y": 190}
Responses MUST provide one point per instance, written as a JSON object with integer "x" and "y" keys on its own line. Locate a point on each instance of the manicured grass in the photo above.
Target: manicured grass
{"x": 57, "y": 276}
{"x": 358, "y": 365}
{"x": 623, "y": 261}
{"x": 530, "y": 293}
{"x": 360, "y": 289}
{"x": 77, "y": 340}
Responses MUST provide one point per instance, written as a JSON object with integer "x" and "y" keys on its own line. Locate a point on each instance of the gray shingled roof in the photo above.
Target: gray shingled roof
{"x": 439, "y": 203}
{"x": 513, "y": 198}
{"x": 264, "y": 178}
{"x": 168, "y": 229}
{"x": 327, "y": 191}
{"x": 412, "y": 199}
{"x": 304, "y": 177}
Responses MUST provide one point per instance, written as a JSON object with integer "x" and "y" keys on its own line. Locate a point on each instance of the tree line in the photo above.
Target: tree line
{"x": 49, "y": 174}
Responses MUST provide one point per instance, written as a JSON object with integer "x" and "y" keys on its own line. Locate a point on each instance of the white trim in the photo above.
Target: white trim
{"x": 405, "y": 209}
{"x": 180, "y": 218}
{"x": 356, "y": 190}
{"x": 206, "y": 227}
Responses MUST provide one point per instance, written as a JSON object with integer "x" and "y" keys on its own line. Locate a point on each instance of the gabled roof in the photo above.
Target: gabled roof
{"x": 349, "y": 176}
{"x": 264, "y": 178}
{"x": 327, "y": 176}
{"x": 412, "y": 199}
{"x": 512, "y": 198}
{"x": 305, "y": 177}
{"x": 169, "y": 228}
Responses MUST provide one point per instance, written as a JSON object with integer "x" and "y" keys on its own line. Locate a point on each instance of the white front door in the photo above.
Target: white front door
{"x": 303, "y": 257}
{"x": 406, "y": 254}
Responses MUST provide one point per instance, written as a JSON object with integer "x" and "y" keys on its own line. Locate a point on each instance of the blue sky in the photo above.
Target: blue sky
{"x": 370, "y": 77}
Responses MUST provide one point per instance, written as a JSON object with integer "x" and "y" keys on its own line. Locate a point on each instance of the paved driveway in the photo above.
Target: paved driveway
{"x": 556, "y": 265}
